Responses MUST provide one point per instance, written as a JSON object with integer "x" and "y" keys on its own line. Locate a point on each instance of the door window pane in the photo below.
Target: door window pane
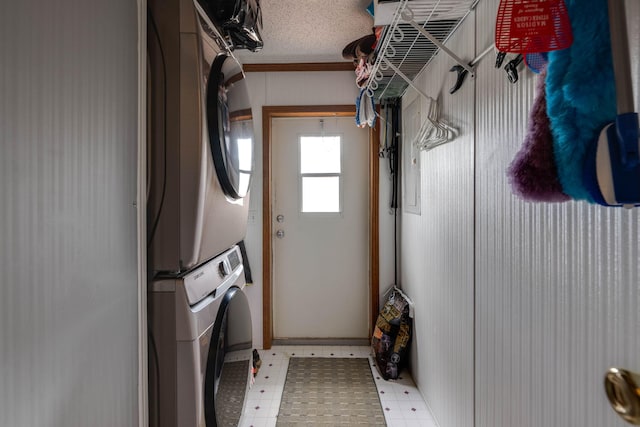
{"x": 245, "y": 154}
{"x": 320, "y": 168}
{"x": 320, "y": 194}
{"x": 319, "y": 154}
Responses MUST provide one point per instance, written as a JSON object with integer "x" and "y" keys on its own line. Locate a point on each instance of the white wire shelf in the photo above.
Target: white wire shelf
{"x": 417, "y": 32}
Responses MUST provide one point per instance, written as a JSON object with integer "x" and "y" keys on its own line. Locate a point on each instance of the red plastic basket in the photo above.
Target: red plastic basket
{"x": 532, "y": 26}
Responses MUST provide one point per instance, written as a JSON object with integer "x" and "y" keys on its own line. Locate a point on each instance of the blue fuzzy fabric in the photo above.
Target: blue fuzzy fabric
{"x": 580, "y": 91}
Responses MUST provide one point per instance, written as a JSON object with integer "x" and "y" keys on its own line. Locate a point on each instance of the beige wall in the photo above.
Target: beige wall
{"x": 302, "y": 88}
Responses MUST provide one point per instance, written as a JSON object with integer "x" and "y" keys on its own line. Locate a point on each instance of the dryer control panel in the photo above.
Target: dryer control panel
{"x": 212, "y": 276}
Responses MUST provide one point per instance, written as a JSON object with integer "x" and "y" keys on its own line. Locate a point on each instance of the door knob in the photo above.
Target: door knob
{"x": 280, "y": 234}
{"x": 280, "y": 218}
{"x": 623, "y": 390}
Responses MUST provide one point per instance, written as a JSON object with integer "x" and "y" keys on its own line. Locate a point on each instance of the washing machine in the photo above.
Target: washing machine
{"x": 200, "y": 347}
{"x": 200, "y": 139}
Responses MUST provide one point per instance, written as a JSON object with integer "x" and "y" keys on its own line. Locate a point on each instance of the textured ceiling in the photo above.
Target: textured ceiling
{"x": 308, "y": 30}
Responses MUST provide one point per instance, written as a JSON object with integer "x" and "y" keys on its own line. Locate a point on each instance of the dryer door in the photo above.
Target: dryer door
{"x": 230, "y": 125}
{"x": 229, "y": 361}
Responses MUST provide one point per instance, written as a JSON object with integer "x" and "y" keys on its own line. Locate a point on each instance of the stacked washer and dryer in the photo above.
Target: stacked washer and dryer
{"x": 200, "y": 157}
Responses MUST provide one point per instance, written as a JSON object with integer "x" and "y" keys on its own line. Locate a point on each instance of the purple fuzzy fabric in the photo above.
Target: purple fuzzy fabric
{"x": 532, "y": 174}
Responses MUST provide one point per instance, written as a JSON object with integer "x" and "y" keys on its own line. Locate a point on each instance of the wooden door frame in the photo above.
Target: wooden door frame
{"x": 268, "y": 114}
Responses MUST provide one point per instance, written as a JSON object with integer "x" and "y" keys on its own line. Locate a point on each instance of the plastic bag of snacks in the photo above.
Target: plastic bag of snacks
{"x": 392, "y": 334}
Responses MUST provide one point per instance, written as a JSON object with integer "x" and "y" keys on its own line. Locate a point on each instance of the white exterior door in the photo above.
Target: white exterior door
{"x": 320, "y": 223}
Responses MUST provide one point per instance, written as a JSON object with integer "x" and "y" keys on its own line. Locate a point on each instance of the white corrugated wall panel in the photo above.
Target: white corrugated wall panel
{"x": 68, "y": 135}
{"x": 556, "y": 285}
{"x": 437, "y": 248}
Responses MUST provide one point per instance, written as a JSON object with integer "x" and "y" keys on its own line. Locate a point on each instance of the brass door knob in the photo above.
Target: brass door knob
{"x": 623, "y": 390}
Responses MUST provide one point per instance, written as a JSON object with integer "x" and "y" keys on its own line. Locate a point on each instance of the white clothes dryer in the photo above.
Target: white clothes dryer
{"x": 200, "y": 346}
{"x": 200, "y": 140}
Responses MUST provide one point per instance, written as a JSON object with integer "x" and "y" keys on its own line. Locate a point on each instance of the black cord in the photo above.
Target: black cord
{"x": 150, "y": 235}
{"x": 394, "y": 151}
{"x": 152, "y": 345}
{"x": 384, "y": 148}
{"x": 396, "y": 182}
{"x": 155, "y": 222}
{"x": 391, "y": 150}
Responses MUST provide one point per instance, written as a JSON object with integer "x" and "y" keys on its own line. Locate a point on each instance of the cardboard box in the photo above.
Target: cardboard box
{"x": 383, "y": 12}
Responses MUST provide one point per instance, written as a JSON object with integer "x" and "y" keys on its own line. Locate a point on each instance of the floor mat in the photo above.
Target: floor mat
{"x": 230, "y": 401}
{"x": 329, "y": 392}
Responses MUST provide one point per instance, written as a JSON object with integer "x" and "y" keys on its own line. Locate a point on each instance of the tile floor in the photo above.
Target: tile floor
{"x": 401, "y": 401}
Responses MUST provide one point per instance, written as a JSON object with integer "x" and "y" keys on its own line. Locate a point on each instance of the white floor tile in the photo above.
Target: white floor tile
{"x": 428, "y": 422}
{"x": 413, "y": 405}
{"x": 260, "y": 422}
{"x": 401, "y": 401}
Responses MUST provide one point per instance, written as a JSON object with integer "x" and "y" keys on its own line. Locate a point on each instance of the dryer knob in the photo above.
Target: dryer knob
{"x": 222, "y": 270}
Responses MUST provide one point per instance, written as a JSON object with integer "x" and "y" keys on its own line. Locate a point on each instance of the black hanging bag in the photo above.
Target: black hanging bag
{"x": 239, "y": 21}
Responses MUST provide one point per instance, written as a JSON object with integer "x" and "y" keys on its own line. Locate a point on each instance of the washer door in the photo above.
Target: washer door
{"x": 229, "y": 361}
{"x": 230, "y": 126}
